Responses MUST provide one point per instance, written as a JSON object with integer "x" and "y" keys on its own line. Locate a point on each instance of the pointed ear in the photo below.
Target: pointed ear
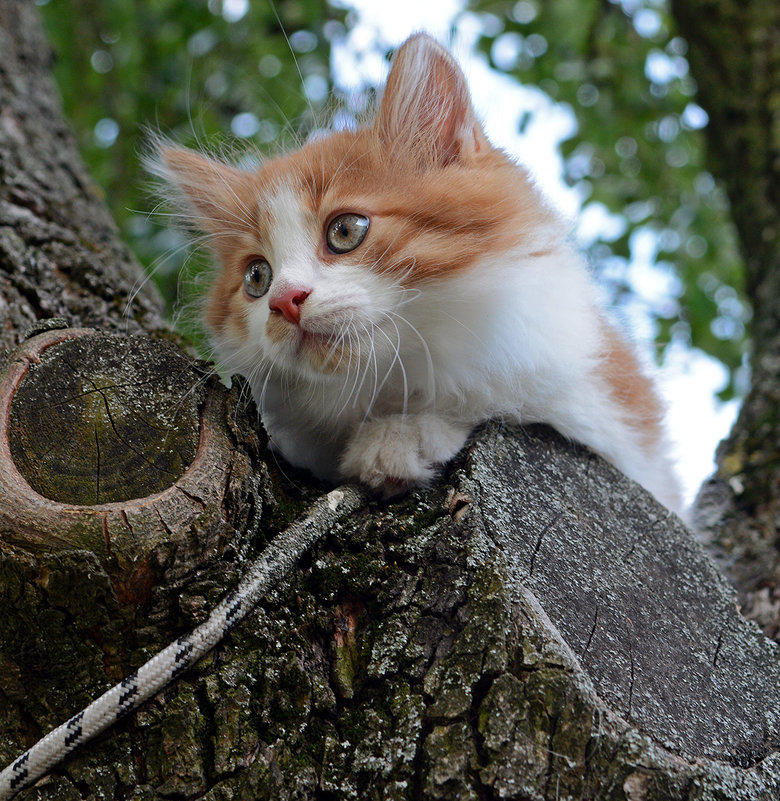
{"x": 426, "y": 106}
{"x": 215, "y": 195}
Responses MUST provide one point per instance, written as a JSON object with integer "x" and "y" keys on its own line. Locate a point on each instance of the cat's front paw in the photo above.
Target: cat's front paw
{"x": 391, "y": 454}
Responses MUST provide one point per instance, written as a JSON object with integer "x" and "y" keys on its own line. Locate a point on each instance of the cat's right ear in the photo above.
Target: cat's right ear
{"x": 426, "y": 108}
{"x": 212, "y": 194}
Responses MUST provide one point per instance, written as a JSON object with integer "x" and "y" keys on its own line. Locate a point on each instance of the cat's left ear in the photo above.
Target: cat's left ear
{"x": 214, "y": 196}
{"x": 426, "y": 106}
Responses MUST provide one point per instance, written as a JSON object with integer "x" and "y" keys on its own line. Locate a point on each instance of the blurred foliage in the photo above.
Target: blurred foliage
{"x": 638, "y": 152}
{"x": 204, "y": 72}
{"x": 210, "y": 71}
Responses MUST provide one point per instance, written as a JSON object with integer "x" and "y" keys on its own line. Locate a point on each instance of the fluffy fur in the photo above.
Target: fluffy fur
{"x": 465, "y": 300}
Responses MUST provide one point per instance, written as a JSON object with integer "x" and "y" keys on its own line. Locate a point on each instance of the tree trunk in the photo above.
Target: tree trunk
{"x": 535, "y": 626}
{"x": 60, "y": 255}
{"x": 735, "y": 58}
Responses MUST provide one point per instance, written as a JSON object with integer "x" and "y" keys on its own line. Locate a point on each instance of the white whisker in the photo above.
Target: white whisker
{"x": 431, "y": 391}
{"x": 364, "y": 369}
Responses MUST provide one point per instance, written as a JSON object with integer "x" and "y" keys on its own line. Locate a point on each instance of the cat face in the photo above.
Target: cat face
{"x": 304, "y": 292}
{"x": 329, "y": 254}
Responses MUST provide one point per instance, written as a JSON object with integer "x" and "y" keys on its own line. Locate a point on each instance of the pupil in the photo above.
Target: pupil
{"x": 343, "y": 230}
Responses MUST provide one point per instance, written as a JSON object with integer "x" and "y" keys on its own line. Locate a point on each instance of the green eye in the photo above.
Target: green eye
{"x": 346, "y": 232}
{"x": 257, "y": 278}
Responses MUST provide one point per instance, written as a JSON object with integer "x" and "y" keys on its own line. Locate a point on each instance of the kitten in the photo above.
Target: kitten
{"x": 386, "y": 289}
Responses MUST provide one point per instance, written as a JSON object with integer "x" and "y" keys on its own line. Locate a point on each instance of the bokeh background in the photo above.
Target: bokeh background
{"x": 595, "y": 97}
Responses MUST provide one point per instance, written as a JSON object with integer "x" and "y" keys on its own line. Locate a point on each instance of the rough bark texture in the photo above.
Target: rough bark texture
{"x": 735, "y": 58}
{"x": 536, "y": 627}
{"x": 533, "y": 627}
{"x": 84, "y": 587}
{"x": 60, "y": 255}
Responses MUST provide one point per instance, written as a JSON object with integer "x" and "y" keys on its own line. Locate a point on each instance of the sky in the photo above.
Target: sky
{"x": 689, "y": 379}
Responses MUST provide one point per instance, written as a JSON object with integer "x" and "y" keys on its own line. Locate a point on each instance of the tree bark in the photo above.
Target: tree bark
{"x": 735, "y": 58}
{"x": 535, "y": 626}
{"x": 60, "y": 255}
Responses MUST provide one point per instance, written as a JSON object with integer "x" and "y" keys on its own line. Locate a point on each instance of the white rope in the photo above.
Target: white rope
{"x": 269, "y": 568}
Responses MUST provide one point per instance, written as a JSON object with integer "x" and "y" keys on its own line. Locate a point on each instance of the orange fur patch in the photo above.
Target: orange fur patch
{"x": 631, "y": 388}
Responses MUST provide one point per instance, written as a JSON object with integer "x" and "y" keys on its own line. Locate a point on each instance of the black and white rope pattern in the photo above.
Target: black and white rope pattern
{"x": 271, "y": 566}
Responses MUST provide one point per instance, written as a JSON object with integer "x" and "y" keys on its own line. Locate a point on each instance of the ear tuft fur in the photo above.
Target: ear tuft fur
{"x": 211, "y": 192}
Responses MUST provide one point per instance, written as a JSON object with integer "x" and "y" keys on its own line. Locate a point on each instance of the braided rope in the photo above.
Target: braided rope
{"x": 268, "y": 569}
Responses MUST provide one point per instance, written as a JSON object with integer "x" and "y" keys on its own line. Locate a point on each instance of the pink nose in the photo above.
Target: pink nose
{"x": 289, "y": 303}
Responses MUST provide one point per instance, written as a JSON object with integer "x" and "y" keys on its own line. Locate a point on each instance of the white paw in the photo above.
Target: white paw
{"x": 392, "y": 453}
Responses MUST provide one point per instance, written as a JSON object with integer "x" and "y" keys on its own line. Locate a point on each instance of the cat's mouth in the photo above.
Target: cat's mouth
{"x": 325, "y": 351}
{"x": 313, "y": 340}
{"x": 307, "y": 337}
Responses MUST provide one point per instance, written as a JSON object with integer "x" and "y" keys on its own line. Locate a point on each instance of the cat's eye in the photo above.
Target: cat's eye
{"x": 346, "y": 232}
{"x": 257, "y": 278}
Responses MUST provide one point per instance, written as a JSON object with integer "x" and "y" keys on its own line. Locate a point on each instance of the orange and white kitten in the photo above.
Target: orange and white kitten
{"x": 386, "y": 289}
